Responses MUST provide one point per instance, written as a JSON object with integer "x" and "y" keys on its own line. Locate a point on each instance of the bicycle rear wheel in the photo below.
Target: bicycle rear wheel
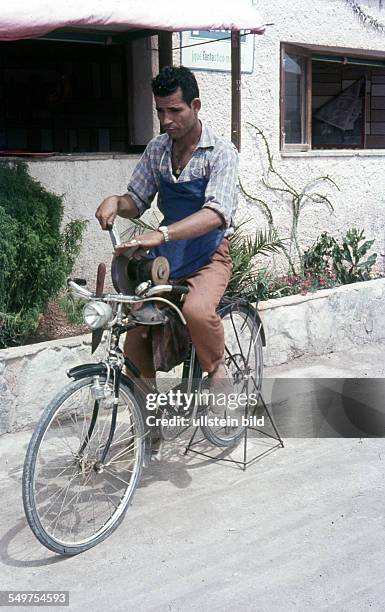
{"x": 244, "y": 361}
{"x": 71, "y": 501}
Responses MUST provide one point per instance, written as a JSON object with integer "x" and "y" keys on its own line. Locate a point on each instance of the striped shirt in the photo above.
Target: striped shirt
{"x": 215, "y": 159}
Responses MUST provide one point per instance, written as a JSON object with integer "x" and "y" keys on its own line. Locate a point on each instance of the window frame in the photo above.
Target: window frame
{"x": 86, "y": 40}
{"x": 308, "y": 51}
{"x": 306, "y": 101}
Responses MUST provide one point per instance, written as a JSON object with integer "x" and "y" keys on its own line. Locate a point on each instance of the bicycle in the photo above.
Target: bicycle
{"x": 86, "y": 455}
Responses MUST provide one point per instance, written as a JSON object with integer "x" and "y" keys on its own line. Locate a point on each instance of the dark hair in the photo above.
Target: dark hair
{"x": 172, "y": 77}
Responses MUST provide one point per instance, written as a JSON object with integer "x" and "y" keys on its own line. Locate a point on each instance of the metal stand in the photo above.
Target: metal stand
{"x": 246, "y": 461}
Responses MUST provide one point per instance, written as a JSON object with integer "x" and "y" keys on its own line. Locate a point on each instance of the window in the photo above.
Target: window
{"x": 331, "y": 101}
{"x": 65, "y": 97}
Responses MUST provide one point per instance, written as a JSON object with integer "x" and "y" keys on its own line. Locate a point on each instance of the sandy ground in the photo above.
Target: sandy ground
{"x": 303, "y": 528}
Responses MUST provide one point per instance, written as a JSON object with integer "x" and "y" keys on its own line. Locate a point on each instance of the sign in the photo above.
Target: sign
{"x": 216, "y": 53}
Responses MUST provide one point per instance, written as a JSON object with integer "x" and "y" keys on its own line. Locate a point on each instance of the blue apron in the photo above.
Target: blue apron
{"x": 178, "y": 201}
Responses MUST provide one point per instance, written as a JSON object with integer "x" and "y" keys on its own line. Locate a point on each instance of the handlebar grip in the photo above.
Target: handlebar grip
{"x": 79, "y": 281}
{"x": 180, "y": 289}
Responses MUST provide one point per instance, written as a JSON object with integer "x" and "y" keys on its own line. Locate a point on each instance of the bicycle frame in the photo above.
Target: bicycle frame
{"x": 112, "y": 366}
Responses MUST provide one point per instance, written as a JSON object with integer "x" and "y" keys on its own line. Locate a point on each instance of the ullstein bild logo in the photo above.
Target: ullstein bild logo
{"x": 181, "y": 421}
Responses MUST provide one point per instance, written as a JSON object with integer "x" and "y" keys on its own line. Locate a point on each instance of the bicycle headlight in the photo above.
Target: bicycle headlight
{"x": 97, "y": 314}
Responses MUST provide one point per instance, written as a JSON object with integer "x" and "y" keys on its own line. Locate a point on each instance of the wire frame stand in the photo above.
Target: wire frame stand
{"x": 239, "y": 361}
{"x": 249, "y": 419}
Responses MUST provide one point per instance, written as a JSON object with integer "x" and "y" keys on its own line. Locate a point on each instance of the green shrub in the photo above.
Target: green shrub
{"x": 325, "y": 264}
{"x": 35, "y": 257}
{"x": 347, "y": 260}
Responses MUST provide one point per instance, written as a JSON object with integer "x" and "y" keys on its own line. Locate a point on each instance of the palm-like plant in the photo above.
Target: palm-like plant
{"x": 243, "y": 250}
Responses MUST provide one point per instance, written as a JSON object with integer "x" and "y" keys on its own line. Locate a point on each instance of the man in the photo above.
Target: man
{"x": 194, "y": 173}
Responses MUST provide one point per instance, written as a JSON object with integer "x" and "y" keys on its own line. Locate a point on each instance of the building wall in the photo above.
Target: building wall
{"x": 359, "y": 174}
{"x": 84, "y": 183}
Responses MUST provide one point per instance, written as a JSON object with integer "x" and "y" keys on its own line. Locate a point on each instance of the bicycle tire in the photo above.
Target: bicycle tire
{"x": 243, "y": 355}
{"x": 42, "y": 476}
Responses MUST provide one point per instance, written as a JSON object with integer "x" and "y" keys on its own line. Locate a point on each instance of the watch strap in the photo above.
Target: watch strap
{"x": 164, "y": 230}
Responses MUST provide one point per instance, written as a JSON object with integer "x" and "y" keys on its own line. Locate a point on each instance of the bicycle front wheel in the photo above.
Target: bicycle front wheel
{"x": 72, "y": 501}
{"x": 244, "y": 361}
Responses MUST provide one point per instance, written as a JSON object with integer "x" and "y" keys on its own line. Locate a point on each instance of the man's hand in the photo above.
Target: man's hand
{"x": 122, "y": 206}
{"x": 140, "y": 245}
{"x": 107, "y": 211}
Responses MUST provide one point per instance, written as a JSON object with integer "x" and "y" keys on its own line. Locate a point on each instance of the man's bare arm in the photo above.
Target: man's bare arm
{"x": 194, "y": 225}
{"x": 115, "y": 206}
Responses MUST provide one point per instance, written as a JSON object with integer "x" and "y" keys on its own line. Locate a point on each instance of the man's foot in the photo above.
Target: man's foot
{"x": 156, "y": 447}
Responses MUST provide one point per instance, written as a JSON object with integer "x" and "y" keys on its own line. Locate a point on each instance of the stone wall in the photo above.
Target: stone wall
{"x": 323, "y": 322}
{"x": 31, "y": 375}
{"x": 329, "y": 320}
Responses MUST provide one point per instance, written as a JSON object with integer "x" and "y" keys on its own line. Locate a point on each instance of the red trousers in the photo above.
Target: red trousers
{"x": 206, "y": 287}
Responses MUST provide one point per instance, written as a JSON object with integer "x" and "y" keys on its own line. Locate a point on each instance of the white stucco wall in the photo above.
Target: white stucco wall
{"x": 359, "y": 174}
{"x": 84, "y": 184}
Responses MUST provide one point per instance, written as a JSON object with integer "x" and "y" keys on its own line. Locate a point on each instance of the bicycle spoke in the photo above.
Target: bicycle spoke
{"x": 58, "y": 493}
{"x": 232, "y": 358}
{"x": 115, "y": 476}
{"x": 74, "y": 497}
{"x": 74, "y": 500}
{"x": 56, "y": 476}
{"x": 133, "y": 446}
{"x": 62, "y": 439}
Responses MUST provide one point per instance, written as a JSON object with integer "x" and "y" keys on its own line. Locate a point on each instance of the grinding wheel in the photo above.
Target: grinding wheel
{"x": 126, "y": 274}
{"x": 119, "y": 275}
{"x": 158, "y": 270}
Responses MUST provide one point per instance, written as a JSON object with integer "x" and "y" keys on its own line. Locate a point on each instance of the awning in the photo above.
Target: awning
{"x": 20, "y": 20}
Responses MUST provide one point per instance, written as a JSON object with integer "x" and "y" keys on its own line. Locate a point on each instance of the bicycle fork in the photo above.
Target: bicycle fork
{"x": 100, "y": 390}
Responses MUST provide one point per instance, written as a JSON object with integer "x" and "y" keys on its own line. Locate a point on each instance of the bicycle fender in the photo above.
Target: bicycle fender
{"x": 86, "y": 369}
{"x": 260, "y": 326}
{"x": 223, "y": 309}
{"x": 94, "y": 369}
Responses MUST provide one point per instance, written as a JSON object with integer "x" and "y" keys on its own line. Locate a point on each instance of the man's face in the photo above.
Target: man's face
{"x": 175, "y": 116}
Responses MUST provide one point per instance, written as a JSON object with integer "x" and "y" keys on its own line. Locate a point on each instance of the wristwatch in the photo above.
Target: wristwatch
{"x": 164, "y": 230}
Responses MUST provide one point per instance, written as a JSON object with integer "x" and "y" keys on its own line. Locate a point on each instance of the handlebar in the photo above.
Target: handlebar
{"x": 120, "y": 297}
{"x": 180, "y": 289}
